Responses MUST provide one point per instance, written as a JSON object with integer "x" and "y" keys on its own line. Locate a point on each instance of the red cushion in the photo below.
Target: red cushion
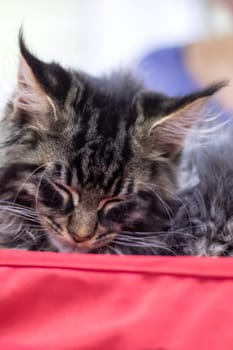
{"x": 91, "y": 302}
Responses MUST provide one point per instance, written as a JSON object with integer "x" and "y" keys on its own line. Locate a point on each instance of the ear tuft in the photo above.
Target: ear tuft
{"x": 213, "y": 88}
{"x": 37, "y": 66}
{"x": 21, "y": 41}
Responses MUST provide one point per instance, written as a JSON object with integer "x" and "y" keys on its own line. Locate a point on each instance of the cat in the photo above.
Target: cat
{"x": 202, "y": 223}
{"x": 89, "y": 164}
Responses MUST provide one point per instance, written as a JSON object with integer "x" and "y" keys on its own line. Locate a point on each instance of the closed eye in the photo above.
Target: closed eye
{"x": 105, "y": 207}
{"x": 111, "y": 204}
{"x": 69, "y": 195}
{"x": 107, "y": 204}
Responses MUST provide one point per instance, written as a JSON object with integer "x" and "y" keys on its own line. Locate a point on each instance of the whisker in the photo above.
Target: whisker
{"x": 164, "y": 204}
{"x": 113, "y": 249}
{"x": 38, "y": 188}
{"x": 14, "y": 204}
{"x": 177, "y": 198}
{"x": 19, "y": 214}
{"x": 27, "y": 179}
{"x": 144, "y": 245}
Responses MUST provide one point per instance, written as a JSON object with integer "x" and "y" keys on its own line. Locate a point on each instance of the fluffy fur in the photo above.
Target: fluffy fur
{"x": 202, "y": 222}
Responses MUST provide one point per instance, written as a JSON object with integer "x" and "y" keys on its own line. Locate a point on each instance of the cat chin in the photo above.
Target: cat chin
{"x": 82, "y": 248}
{"x": 65, "y": 247}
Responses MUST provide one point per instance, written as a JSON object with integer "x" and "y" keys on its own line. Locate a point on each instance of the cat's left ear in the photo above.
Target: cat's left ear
{"x": 164, "y": 122}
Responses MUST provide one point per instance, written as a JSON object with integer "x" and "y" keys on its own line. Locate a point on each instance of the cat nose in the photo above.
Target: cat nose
{"x": 82, "y": 234}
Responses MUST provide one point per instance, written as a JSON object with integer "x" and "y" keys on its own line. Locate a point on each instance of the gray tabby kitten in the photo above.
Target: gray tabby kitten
{"x": 90, "y": 164}
{"x": 203, "y": 222}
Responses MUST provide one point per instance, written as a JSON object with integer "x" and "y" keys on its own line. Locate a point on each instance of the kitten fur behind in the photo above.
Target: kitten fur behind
{"x": 90, "y": 164}
{"x": 204, "y": 210}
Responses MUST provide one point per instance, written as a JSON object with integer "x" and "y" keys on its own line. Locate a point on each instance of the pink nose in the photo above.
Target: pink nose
{"x": 82, "y": 234}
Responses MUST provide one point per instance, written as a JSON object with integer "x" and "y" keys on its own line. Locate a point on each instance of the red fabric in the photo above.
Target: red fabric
{"x": 85, "y": 302}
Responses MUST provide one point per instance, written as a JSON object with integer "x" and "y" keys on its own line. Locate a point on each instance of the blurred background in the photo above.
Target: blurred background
{"x": 99, "y": 35}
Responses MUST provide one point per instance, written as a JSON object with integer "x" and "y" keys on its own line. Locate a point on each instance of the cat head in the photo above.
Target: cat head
{"x": 92, "y": 156}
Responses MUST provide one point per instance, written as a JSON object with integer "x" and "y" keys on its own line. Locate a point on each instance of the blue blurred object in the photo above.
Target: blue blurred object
{"x": 165, "y": 71}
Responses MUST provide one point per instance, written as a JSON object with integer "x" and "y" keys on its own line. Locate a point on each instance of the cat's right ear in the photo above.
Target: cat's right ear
{"x": 29, "y": 96}
{"x": 40, "y": 86}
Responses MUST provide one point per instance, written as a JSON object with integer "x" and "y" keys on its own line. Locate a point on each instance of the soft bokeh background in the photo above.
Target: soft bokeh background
{"x": 98, "y": 35}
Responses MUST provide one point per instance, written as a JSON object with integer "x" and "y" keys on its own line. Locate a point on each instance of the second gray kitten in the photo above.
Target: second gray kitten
{"x": 202, "y": 222}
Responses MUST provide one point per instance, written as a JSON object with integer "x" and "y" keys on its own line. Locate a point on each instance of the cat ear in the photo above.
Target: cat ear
{"x": 29, "y": 95}
{"x": 40, "y": 85}
{"x": 165, "y": 135}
